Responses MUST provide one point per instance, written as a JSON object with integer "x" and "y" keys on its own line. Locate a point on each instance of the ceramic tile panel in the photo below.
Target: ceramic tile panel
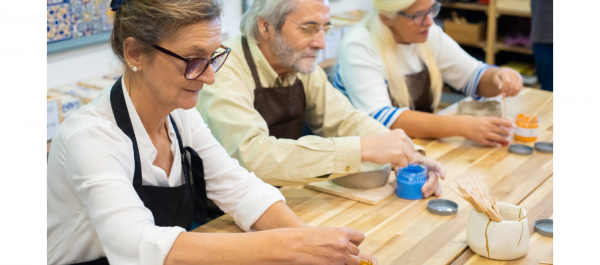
{"x": 88, "y": 18}
{"x": 59, "y": 23}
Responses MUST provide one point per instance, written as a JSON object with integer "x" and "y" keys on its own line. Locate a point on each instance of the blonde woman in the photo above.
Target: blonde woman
{"x": 393, "y": 66}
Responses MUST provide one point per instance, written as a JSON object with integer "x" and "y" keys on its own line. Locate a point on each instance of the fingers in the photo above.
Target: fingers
{"x": 438, "y": 192}
{"x": 492, "y": 136}
{"x": 352, "y": 260}
{"x": 353, "y": 249}
{"x": 501, "y": 122}
{"x": 431, "y": 185}
{"x": 512, "y": 82}
{"x": 489, "y": 143}
{"x": 368, "y": 257}
{"x": 355, "y": 236}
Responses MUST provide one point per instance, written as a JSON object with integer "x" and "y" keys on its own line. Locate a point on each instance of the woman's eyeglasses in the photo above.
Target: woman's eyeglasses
{"x": 311, "y": 29}
{"x": 420, "y": 17}
{"x": 196, "y": 66}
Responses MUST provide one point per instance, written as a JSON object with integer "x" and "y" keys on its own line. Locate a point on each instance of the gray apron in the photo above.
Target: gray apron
{"x": 419, "y": 89}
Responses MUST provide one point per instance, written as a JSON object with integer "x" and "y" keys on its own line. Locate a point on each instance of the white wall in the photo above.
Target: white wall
{"x": 72, "y": 66}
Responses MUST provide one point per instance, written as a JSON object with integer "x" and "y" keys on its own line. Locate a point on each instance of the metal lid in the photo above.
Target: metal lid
{"x": 442, "y": 207}
{"x": 544, "y": 147}
{"x": 520, "y": 149}
{"x": 544, "y": 227}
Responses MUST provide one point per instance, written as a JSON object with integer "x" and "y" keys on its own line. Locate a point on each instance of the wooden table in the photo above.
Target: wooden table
{"x": 403, "y": 232}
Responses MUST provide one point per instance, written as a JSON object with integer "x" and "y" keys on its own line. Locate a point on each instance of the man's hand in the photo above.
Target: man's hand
{"x": 393, "y": 147}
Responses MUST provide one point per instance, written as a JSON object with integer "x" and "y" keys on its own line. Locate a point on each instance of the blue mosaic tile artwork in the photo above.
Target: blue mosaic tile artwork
{"x": 88, "y": 18}
{"x": 59, "y": 22}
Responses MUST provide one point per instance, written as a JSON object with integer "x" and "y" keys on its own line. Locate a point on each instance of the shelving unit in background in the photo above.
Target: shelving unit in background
{"x": 491, "y": 46}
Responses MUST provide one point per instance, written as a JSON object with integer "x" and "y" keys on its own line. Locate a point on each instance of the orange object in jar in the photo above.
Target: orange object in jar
{"x": 526, "y": 131}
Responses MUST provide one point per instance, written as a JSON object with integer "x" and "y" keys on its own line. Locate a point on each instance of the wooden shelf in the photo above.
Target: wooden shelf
{"x": 466, "y": 6}
{"x": 478, "y": 45}
{"x": 516, "y": 13}
{"x": 327, "y": 63}
{"x": 518, "y": 49}
{"x": 501, "y": 47}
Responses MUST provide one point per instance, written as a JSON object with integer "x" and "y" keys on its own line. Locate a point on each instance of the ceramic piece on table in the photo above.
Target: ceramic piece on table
{"x": 59, "y": 24}
{"x": 491, "y": 107}
{"x": 371, "y": 176}
{"x": 507, "y": 240}
{"x": 544, "y": 227}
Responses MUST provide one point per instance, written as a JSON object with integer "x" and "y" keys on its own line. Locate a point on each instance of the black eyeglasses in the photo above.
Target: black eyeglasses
{"x": 196, "y": 66}
{"x": 420, "y": 17}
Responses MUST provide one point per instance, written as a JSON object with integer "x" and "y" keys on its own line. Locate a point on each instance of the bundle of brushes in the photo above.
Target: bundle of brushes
{"x": 480, "y": 200}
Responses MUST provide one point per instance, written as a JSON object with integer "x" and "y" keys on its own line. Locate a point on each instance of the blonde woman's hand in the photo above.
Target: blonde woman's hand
{"x": 393, "y": 147}
{"x": 508, "y": 81}
{"x": 489, "y": 131}
{"x": 321, "y": 245}
{"x": 435, "y": 171}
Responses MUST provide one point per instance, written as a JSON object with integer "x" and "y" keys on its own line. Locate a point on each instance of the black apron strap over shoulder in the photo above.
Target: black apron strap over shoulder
{"x": 251, "y": 62}
{"x": 119, "y": 107}
{"x": 197, "y": 178}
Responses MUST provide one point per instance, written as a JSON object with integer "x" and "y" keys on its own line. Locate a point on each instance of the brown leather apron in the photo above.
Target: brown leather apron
{"x": 281, "y": 107}
{"x": 419, "y": 89}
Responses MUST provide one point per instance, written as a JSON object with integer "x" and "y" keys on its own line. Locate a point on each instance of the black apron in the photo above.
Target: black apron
{"x": 281, "y": 107}
{"x": 170, "y": 206}
{"x": 419, "y": 89}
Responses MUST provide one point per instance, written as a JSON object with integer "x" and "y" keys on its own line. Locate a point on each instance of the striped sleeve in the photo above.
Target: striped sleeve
{"x": 470, "y": 88}
{"x": 388, "y": 115}
{"x": 338, "y": 83}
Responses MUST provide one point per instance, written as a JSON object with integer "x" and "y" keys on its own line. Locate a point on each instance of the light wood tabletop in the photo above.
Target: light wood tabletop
{"x": 402, "y": 231}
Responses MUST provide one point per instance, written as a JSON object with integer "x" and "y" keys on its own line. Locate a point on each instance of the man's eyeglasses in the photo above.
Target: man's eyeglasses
{"x": 196, "y": 66}
{"x": 312, "y": 29}
{"x": 420, "y": 17}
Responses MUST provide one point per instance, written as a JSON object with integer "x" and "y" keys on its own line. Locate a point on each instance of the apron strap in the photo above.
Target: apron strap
{"x": 119, "y": 108}
{"x": 199, "y": 185}
{"x": 250, "y": 62}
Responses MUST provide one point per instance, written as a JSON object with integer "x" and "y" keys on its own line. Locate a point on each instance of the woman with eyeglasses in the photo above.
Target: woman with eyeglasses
{"x": 394, "y": 64}
{"x": 130, "y": 172}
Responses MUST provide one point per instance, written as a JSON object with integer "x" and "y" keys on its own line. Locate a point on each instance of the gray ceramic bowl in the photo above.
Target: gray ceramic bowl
{"x": 371, "y": 176}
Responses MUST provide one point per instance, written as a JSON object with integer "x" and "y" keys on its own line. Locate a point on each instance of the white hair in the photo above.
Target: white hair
{"x": 274, "y": 12}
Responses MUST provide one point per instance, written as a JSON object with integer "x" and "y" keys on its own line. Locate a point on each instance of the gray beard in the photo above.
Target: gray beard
{"x": 293, "y": 59}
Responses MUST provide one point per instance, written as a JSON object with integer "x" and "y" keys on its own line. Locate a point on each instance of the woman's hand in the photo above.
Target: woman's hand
{"x": 508, "y": 81}
{"x": 393, "y": 147}
{"x": 322, "y": 245}
{"x": 435, "y": 170}
{"x": 489, "y": 131}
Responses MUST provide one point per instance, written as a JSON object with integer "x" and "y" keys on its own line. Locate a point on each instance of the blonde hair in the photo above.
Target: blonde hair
{"x": 385, "y": 44}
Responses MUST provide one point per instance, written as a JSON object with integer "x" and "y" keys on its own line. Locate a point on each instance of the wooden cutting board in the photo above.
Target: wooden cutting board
{"x": 370, "y": 196}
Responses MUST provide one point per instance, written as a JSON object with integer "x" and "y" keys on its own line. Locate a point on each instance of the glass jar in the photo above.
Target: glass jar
{"x": 410, "y": 182}
{"x": 526, "y": 131}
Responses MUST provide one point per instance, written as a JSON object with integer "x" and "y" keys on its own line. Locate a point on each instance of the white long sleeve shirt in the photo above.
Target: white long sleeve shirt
{"x": 93, "y": 209}
{"x": 360, "y": 72}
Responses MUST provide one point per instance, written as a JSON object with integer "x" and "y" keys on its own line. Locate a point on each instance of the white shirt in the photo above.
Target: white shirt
{"x": 93, "y": 209}
{"x": 360, "y": 72}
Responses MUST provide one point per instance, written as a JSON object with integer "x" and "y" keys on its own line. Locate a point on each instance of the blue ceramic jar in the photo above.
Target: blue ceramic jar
{"x": 410, "y": 182}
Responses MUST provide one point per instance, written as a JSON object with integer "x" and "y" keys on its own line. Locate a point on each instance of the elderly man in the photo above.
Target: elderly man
{"x": 271, "y": 84}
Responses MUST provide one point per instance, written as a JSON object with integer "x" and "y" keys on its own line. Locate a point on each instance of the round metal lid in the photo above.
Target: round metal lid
{"x": 442, "y": 207}
{"x": 544, "y": 147}
{"x": 520, "y": 149}
{"x": 544, "y": 227}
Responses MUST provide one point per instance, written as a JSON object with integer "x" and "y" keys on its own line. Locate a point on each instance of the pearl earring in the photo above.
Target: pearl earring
{"x": 134, "y": 69}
